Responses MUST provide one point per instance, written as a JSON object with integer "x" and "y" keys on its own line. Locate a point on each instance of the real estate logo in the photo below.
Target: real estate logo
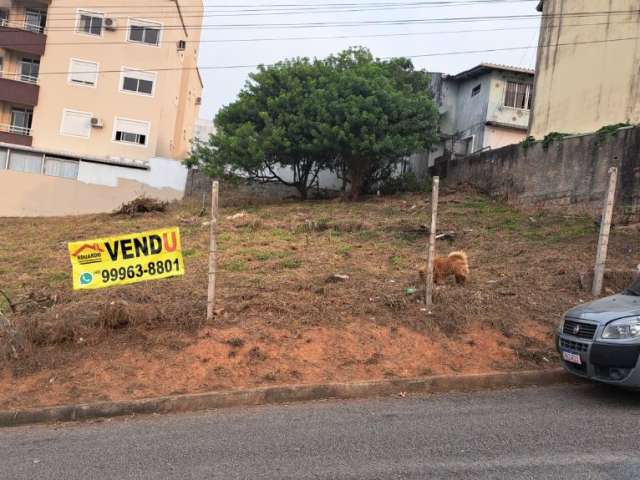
{"x": 88, "y": 253}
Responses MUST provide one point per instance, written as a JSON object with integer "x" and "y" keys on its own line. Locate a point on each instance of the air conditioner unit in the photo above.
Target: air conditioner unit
{"x": 96, "y": 122}
{"x": 182, "y": 45}
{"x": 110, "y": 24}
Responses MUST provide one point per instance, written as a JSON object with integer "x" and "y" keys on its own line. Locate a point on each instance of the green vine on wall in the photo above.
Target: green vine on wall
{"x": 552, "y": 137}
{"x": 528, "y": 142}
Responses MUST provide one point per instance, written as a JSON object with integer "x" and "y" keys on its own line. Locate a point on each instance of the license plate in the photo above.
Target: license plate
{"x": 572, "y": 357}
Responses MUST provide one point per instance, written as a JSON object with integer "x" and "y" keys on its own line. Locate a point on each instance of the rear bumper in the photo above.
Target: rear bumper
{"x": 603, "y": 362}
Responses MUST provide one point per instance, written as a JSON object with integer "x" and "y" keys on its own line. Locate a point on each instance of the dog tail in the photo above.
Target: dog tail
{"x": 462, "y": 257}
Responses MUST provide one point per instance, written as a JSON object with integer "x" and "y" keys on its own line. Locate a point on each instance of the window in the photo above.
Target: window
{"x": 476, "y": 90}
{"x": 1, "y": 66}
{"x": 4, "y": 17}
{"x": 35, "y": 20}
{"x": 464, "y": 146}
{"x": 21, "y": 121}
{"x": 144, "y": 32}
{"x": 90, "y": 23}
{"x": 29, "y": 70}
{"x": 61, "y": 167}
{"x": 82, "y": 72}
{"x": 76, "y": 124}
{"x": 131, "y": 131}
{"x": 25, "y": 161}
{"x": 518, "y": 95}
{"x": 138, "y": 81}
{"x": 4, "y": 154}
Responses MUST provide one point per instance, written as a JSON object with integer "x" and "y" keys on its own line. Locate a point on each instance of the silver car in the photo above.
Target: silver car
{"x": 601, "y": 340}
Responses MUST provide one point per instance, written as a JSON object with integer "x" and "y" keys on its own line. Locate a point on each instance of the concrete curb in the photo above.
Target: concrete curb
{"x": 283, "y": 394}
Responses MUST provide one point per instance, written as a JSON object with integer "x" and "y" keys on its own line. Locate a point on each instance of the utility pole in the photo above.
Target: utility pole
{"x": 605, "y": 228}
{"x": 432, "y": 244}
{"x": 213, "y": 228}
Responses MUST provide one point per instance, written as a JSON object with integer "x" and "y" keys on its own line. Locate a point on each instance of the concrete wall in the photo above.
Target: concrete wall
{"x": 98, "y": 188}
{"x": 587, "y": 73}
{"x": 240, "y": 194}
{"x": 571, "y": 173}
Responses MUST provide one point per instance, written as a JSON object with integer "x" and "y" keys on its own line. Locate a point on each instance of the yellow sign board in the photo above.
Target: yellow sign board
{"x": 125, "y": 259}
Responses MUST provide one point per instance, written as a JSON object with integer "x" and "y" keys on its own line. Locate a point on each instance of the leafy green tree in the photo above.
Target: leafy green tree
{"x": 349, "y": 113}
{"x": 381, "y": 113}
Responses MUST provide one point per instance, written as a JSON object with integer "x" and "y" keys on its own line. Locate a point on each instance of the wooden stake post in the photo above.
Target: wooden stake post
{"x": 432, "y": 244}
{"x": 605, "y": 228}
{"x": 211, "y": 294}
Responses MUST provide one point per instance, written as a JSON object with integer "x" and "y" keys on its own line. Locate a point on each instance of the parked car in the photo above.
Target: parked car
{"x": 600, "y": 340}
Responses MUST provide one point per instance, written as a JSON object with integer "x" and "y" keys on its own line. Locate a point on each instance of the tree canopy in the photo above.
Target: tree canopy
{"x": 349, "y": 113}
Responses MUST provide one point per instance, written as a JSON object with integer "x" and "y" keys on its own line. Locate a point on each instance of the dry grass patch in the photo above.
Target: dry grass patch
{"x": 135, "y": 341}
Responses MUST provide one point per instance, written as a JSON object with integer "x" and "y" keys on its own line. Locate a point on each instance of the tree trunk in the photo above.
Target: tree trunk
{"x": 357, "y": 168}
{"x": 303, "y": 190}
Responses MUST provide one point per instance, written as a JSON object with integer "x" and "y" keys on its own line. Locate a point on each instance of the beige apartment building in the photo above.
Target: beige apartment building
{"x": 97, "y": 83}
{"x": 119, "y": 81}
{"x": 588, "y": 66}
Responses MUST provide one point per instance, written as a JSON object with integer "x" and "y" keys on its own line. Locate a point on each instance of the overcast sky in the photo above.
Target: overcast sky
{"x": 221, "y": 23}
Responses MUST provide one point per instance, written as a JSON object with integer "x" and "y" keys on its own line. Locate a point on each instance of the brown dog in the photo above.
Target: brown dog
{"x": 456, "y": 264}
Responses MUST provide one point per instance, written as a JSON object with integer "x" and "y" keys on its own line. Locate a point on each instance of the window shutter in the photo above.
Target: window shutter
{"x": 131, "y": 126}
{"x": 76, "y": 124}
{"x": 83, "y": 72}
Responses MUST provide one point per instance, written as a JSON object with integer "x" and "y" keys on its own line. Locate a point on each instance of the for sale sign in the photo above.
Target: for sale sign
{"x": 125, "y": 259}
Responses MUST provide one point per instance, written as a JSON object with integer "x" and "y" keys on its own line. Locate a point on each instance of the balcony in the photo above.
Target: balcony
{"x": 15, "y": 135}
{"x": 22, "y": 37}
{"x": 19, "y": 88}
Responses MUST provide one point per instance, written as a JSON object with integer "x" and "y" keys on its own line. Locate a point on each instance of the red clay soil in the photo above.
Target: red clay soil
{"x": 359, "y": 351}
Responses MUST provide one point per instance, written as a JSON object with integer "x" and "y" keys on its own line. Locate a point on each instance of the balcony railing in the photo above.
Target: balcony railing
{"x": 15, "y": 129}
{"x": 25, "y": 25}
{"x": 19, "y": 77}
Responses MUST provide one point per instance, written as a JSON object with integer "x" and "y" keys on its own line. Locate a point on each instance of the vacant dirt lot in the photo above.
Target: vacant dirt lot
{"x": 283, "y": 320}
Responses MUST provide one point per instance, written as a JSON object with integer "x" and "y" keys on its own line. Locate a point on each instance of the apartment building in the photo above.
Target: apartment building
{"x": 485, "y": 107}
{"x": 110, "y": 83}
{"x": 588, "y": 73}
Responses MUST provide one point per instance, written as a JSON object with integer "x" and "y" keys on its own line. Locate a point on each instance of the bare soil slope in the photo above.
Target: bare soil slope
{"x": 284, "y": 319}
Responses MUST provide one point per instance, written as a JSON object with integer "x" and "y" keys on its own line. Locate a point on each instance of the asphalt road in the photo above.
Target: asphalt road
{"x": 569, "y": 432}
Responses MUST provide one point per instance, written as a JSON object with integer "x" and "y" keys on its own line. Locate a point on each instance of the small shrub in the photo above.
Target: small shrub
{"x": 292, "y": 263}
{"x": 264, "y": 256}
{"x": 235, "y": 342}
{"x": 368, "y": 235}
{"x": 256, "y": 355}
{"x": 236, "y": 266}
{"x": 395, "y": 260}
{"x": 407, "y": 182}
{"x": 310, "y": 226}
{"x": 141, "y": 205}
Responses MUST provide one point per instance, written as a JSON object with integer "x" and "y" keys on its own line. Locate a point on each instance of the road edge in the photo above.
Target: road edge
{"x": 283, "y": 394}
